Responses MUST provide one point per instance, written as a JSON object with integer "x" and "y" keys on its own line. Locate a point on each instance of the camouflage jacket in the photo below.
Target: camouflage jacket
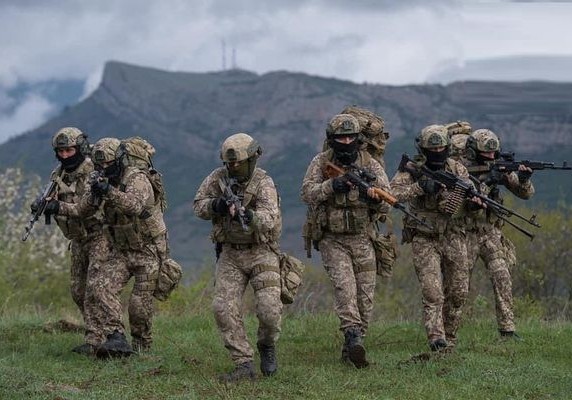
{"x": 405, "y": 187}
{"x": 343, "y": 212}
{"x": 258, "y": 194}
{"x": 131, "y": 217}
{"x": 71, "y": 187}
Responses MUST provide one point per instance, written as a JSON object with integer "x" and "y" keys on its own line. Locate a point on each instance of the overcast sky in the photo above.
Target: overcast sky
{"x": 377, "y": 41}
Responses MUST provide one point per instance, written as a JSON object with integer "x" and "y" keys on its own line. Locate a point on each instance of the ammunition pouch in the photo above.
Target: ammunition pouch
{"x": 170, "y": 274}
{"x": 385, "y": 247}
{"x": 291, "y": 271}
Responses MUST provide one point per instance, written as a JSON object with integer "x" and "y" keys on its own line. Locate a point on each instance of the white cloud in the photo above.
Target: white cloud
{"x": 30, "y": 112}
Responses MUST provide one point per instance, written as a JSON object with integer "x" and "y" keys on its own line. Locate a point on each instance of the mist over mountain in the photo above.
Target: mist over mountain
{"x": 186, "y": 116}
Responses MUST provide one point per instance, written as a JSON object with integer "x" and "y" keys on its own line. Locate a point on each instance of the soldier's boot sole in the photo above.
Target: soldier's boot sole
{"x": 356, "y": 355}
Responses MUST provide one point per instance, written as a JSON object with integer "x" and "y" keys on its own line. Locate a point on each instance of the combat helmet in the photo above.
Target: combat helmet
{"x": 104, "y": 150}
{"x": 237, "y": 148}
{"x": 432, "y": 137}
{"x": 344, "y": 125}
{"x": 71, "y": 137}
{"x": 482, "y": 141}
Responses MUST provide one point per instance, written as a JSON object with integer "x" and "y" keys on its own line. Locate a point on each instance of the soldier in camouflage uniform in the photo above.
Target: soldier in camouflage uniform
{"x": 135, "y": 233}
{"x": 440, "y": 253}
{"x": 345, "y": 218}
{"x": 246, "y": 252}
{"x": 486, "y": 240}
{"x": 72, "y": 176}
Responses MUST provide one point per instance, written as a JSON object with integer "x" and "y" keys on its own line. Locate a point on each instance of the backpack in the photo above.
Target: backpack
{"x": 459, "y": 132}
{"x": 372, "y": 131}
{"x": 138, "y": 154}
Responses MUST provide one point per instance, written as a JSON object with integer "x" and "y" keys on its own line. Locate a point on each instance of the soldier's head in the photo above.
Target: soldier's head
{"x": 239, "y": 153}
{"x": 71, "y": 146}
{"x": 483, "y": 145}
{"x": 434, "y": 144}
{"x": 104, "y": 155}
{"x": 342, "y": 134}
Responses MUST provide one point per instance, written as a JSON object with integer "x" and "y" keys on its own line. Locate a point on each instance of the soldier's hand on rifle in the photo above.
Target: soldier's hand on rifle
{"x": 248, "y": 216}
{"x": 524, "y": 173}
{"x": 341, "y": 185}
{"x": 100, "y": 188}
{"x": 477, "y": 200}
{"x": 52, "y": 208}
{"x": 219, "y": 206}
{"x": 371, "y": 193}
{"x": 430, "y": 186}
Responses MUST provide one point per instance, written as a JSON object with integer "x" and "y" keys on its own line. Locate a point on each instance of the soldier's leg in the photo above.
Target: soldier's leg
{"x": 338, "y": 263}
{"x": 363, "y": 255}
{"x": 493, "y": 254}
{"x": 145, "y": 269}
{"x": 78, "y": 272}
{"x": 265, "y": 280}
{"x": 455, "y": 282}
{"x": 230, "y": 284}
{"x": 427, "y": 262}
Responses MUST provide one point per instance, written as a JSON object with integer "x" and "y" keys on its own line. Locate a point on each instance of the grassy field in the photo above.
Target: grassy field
{"x": 36, "y": 363}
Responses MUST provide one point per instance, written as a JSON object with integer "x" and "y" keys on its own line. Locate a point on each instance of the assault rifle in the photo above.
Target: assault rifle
{"x": 362, "y": 178}
{"x": 464, "y": 190}
{"x": 232, "y": 199}
{"x": 94, "y": 177}
{"x": 48, "y": 192}
{"x": 507, "y": 163}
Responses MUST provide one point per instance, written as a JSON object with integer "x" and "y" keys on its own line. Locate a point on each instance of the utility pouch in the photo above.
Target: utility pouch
{"x": 291, "y": 271}
{"x": 170, "y": 274}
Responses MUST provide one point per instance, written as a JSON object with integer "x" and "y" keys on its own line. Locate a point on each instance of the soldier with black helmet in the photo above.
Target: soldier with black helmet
{"x": 241, "y": 201}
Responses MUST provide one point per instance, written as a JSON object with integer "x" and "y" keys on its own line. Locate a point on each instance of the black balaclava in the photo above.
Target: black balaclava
{"x": 436, "y": 159}
{"x": 113, "y": 172}
{"x": 345, "y": 153}
{"x": 71, "y": 163}
{"x": 244, "y": 171}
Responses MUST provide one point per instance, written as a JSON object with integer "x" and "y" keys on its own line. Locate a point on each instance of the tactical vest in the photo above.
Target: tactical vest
{"x": 228, "y": 230}
{"x": 345, "y": 212}
{"x": 71, "y": 187}
{"x": 129, "y": 232}
{"x": 431, "y": 207}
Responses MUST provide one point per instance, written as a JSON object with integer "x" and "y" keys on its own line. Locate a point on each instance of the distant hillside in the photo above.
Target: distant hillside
{"x": 188, "y": 115}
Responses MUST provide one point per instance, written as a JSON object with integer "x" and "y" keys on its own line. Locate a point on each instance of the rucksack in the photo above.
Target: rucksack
{"x": 372, "y": 131}
{"x": 459, "y": 132}
{"x": 138, "y": 153}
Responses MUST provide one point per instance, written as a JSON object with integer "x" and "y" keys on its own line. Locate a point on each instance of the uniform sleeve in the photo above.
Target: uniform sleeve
{"x": 267, "y": 211}
{"x": 316, "y": 188}
{"x": 82, "y": 209}
{"x": 382, "y": 182}
{"x": 404, "y": 188}
{"x": 208, "y": 191}
{"x": 523, "y": 190}
{"x": 138, "y": 192}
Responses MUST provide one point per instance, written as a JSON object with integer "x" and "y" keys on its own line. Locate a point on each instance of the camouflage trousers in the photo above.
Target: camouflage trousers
{"x": 235, "y": 268}
{"x": 443, "y": 271}
{"x": 490, "y": 246}
{"x": 82, "y": 252}
{"x": 106, "y": 280}
{"x": 349, "y": 261}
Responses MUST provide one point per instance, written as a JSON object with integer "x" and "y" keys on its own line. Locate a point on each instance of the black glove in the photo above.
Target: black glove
{"x": 248, "y": 216}
{"x": 430, "y": 186}
{"x": 35, "y": 205}
{"x": 340, "y": 185}
{"x": 219, "y": 206}
{"x": 100, "y": 188}
{"x": 52, "y": 208}
{"x": 524, "y": 176}
{"x": 495, "y": 177}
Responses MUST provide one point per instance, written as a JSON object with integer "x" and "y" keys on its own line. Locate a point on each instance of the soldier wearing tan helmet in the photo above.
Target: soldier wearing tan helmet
{"x": 439, "y": 252}
{"x": 135, "y": 233}
{"x": 345, "y": 221}
{"x": 484, "y": 228}
{"x": 85, "y": 233}
{"x": 246, "y": 234}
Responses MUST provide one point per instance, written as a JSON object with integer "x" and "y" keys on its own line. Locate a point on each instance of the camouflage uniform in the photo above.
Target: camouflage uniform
{"x": 246, "y": 256}
{"x": 439, "y": 254}
{"x": 485, "y": 237}
{"x": 343, "y": 225}
{"x": 135, "y": 238}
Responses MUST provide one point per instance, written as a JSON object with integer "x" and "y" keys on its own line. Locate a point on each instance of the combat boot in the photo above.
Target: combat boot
{"x": 268, "y": 363}
{"x": 510, "y": 335}
{"x": 140, "y": 346}
{"x": 355, "y": 348}
{"x": 240, "y": 372}
{"x": 85, "y": 349}
{"x": 438, "y": 344}
{"x": 115, "y": 346}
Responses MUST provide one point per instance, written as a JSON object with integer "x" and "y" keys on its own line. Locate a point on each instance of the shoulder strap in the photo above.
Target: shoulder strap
{"x": 252, "y": 187}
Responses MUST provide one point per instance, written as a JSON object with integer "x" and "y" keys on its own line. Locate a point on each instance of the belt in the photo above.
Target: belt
{"x": 241, "y": 246}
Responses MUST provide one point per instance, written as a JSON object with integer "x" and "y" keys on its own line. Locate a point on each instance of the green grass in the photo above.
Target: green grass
{"x": 187, "y": 357}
